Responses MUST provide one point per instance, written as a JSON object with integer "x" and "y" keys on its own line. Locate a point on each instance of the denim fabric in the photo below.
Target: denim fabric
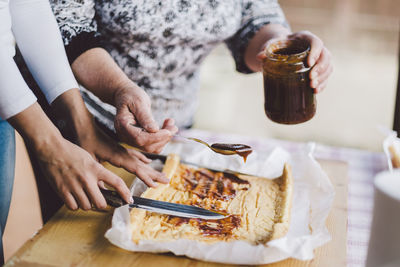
{"x": 7, "y": 164}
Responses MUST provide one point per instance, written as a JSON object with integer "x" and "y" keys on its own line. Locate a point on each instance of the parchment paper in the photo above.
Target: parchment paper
{"x": 312, "y": 200}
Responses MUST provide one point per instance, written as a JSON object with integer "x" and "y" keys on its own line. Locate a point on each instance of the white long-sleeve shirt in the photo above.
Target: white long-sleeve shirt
{"x": 32, "y": 25}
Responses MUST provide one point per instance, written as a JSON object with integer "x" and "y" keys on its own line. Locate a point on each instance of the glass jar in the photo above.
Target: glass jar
{"x": 289, "y": 99}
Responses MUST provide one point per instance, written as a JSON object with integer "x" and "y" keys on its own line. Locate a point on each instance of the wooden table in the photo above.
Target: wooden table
{"x": 77, "y": 238}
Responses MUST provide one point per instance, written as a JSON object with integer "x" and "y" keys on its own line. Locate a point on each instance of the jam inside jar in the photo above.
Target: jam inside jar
{"x": 289, "y": 99}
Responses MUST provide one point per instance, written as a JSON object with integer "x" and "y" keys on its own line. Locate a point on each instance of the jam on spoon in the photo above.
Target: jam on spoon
{"x": 227, "y": 149}
{"x": 240, "y": 149}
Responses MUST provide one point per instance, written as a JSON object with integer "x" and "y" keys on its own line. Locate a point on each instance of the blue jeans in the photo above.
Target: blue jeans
{"x": 7, "y": 164}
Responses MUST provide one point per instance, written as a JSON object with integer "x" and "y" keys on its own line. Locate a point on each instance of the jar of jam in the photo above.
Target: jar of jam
{"x": 289, "y": 99}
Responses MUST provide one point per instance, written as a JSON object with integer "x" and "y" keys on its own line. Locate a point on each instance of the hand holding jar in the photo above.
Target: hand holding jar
{"x": 319, "y": 58}
{"x": 295, "y": 67}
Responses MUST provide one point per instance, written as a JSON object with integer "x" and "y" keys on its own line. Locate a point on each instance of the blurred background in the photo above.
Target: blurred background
{"x": 363, "y": 37}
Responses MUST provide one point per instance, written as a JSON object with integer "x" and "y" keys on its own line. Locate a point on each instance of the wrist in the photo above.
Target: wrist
{"x": 70, "y": 109}
{"x": 36, "y": 128}
{"x": 97, "y": 71}
{"x": 129, "y": 88}
{"x": 46, "y": 141}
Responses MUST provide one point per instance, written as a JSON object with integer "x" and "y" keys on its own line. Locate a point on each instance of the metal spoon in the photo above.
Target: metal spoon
{"x": 221, "y": 148}
{"x": 224, "y": 149}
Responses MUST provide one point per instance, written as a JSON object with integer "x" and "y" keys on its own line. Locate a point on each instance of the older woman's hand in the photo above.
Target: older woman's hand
{"x": 134, "y": 123}
{"x": 97, "y": 71}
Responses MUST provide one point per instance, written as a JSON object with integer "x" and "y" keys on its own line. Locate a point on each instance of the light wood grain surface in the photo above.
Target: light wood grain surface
{"x": 77, "y": 238}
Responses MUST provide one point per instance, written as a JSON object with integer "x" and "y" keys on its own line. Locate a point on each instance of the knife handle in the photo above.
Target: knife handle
{"x": 112, "y": 198}
{"x": 154, "y": 156}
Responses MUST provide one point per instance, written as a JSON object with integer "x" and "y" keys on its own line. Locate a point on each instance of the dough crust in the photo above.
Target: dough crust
{"x": 259, "y": 208}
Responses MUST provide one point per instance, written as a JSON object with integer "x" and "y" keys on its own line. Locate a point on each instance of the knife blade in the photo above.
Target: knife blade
{"x": 162, "y": 207}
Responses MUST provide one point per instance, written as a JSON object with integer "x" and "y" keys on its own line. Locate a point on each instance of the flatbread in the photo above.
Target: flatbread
{"x": 258, "y": 208}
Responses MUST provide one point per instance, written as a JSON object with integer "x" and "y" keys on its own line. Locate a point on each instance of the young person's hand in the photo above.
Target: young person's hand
{"x": 72, "y": 171}
{"x": 70, "y": 108}
{"x": 76, "y": 175}
{"x": 104, "y": 148}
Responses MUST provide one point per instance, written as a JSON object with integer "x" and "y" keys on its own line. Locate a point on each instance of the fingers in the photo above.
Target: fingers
{"x": 101, "y": 185}
{"x": 160, "y": 177}
{"x": 74, "y": 192}
{"x": 169, "y": 124}
{"x": 96, "y": 197}
{"x": 321, "y": 71}
{"x": 322, "y": 65}
{"x": 117, "y": 154}
{"x": 319, "y": 59}
{"x": 146, "y": 178}
{"x": 261, "y": 56}
{"x": 170, "y": 130}
{"x": 134, "y": 100}
{"x": 148, "y": 137}
{"x": 80, "y": 196}
{"x": 321, "y": 81}
{"x": 150, "y": 142}
{"x": 124, "y": 118}
{"x": 150, "y": 176}
{"x": 69, "y": 201}
{"x": 145, "y": 118}
{"x": 321, "y": 87}
{"x": 129, "y": 160}
{"x": 137, "y": 166}
{"x": 86, "y": 193}
{"x": 316, "y": 49}
{"x": 137, "y": 154}
{"x": 315, "y": 43}
{"x": 113, "y": 180}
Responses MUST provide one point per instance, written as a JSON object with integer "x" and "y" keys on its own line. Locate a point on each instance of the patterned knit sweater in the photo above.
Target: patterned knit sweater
{"x": 161, "y": 44}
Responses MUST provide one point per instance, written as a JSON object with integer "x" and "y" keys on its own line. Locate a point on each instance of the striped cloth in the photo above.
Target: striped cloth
{"x": 363, "y": 166}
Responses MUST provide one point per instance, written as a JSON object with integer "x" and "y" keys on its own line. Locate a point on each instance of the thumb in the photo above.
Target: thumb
{"x": 145, "y": 119}
{"x": 260, "y": 56}
{"x": 142, "y": 113}
{"x": 169, "y": 124}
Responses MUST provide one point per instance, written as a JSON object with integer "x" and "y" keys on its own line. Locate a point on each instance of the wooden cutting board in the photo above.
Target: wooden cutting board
{"x": 77, "y": 238}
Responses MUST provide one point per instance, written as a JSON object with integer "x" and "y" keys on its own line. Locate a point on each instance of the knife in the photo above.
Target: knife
{"x": 163, "y": 158}
{"x": 163, "y": 207}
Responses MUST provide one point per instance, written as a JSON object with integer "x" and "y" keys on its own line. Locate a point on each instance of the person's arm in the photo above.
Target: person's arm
{"x": 71, "y": 170}
{"x": 15, "y": 95}
{"x": 33, "y": 22}
{"x": 38, "y": 38}
{"x": 257, "y": 44}
{"x": 75, "y": 174}
{"x": 98, "y": 72}
{"x": 71, "y": 109}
